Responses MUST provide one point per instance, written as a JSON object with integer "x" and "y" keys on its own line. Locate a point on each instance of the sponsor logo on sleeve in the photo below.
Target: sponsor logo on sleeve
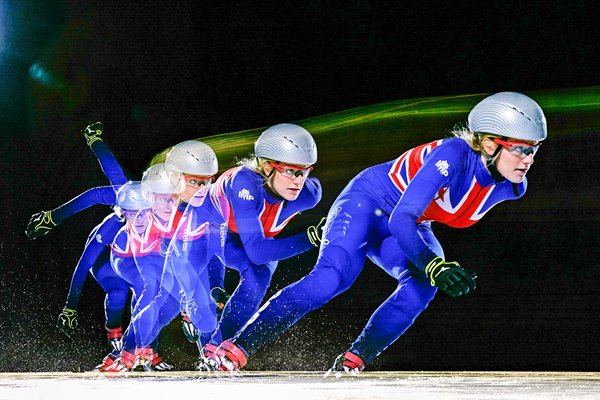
{"x": 245, "y": 195}
{"x": 442, "y": 166}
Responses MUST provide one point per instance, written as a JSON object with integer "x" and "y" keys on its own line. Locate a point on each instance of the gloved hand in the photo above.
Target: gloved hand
{"x": 219, "y": 296}
{"x": 315, "y": 232}
{"x": 189, "y": 330}
{"x": 450, "y": 277}
{"x": 92, "y": 132}
{"x": 337, "y": 228}
{"x": 67, "y": 321}
{"x": 39, "y": 225}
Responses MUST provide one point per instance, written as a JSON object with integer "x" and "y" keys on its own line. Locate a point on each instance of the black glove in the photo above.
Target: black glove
{"x": 450, "y": 277}
{"x": 39, "y": 225}
{"x": 220, "y": 297}
{"x": 92, "y": 132}
{"x": 315, "y": 232}
{"x": 67, "y": 321}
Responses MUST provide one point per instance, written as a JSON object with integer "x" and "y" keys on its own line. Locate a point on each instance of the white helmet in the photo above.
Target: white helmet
{"x": 511, "y": 115}
{"x": 158, "y": 179}
{"x": 131, "y": 197}
{"x": 287, "y": 143}
{"x": 192, "y": 157}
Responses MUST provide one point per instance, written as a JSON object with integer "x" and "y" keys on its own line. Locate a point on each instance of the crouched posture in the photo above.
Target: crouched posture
{"x": 385, "y": 213}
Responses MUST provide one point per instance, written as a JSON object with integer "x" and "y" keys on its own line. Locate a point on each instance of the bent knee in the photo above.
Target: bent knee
{"x": 333, "y": 274}
{"x": 413, "y": 295}
{"x": 341, "y": 266}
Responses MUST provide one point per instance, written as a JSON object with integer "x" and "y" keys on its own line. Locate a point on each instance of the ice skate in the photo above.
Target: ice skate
{"x": 150, "y": 361}
{"x": 208, "y": 364}
{"x": 232, "y": 357}
{"x": 115, "y": 338}
{"x": 123, "y": 364}
{"x": 158, "y": 364}
{"x": 208, "y": 360}
{"x": 346, "y": 364}
{"x": 106, "y": 362}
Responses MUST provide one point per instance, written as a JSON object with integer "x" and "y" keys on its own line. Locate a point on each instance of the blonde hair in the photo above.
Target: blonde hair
{"x": 473, "y": 139}
{"x": 255, "y": 164}
{"x": 250, "y": 163}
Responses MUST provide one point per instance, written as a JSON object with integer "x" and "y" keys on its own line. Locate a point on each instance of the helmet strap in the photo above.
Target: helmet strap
{"x": 491, "y": 165}
{"x": 515, "y": 189}
{"x": 266, "y": 178}
{"x": 261, "y": 170}
{"x": 119, "y": 213}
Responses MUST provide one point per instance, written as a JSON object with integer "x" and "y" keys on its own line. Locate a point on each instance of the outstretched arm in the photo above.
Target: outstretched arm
{"x": 42, "y": 222}
{"x": 108, "y": 162}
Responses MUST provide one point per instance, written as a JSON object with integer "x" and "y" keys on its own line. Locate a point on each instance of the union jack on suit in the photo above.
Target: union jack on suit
{"x": 256, "y": 216}
{"x": 389, "y": 209}
{"x": 185, "y": 249}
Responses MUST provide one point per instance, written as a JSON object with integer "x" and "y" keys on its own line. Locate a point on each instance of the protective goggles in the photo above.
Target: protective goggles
{"x": 130, "y": 214}
{"x": 518, "y": 148}
{"x": 198, "y": 181}
{"x": 166, "y": 199}
{"x": 290, "y": 171}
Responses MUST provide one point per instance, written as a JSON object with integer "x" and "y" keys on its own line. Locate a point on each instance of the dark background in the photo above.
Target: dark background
{"x": 158, "y": 73}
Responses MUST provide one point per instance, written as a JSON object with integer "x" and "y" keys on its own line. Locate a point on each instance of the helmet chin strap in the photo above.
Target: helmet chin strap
{"x": 266, "y": 178}
{"x": 491, "y": 165}
{"x": 262, "y": 170}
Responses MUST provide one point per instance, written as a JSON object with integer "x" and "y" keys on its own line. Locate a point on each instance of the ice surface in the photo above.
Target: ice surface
{"x": 303, "y": 385}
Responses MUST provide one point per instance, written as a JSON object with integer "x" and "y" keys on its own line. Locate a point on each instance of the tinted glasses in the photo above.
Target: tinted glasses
{"x": 518, "y": 148}
{"x": 198, "y": 181}
{"x": 291, "y": 172}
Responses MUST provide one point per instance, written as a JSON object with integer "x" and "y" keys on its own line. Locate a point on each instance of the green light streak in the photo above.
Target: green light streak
{"x": 399, "y": 118}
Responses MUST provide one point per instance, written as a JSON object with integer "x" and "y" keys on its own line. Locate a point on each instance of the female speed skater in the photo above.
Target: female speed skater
{"x": 264, "y": 194}
{"x": 199, "y": 165}
{"x": 150, "y": 209}
{"x": 454, "y": 181}
{"x": 96, "y": 254}
{"x": 183, "y": 277}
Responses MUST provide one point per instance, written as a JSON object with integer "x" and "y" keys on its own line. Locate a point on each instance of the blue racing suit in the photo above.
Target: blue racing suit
{"x": 139, "y": 260}
{"x": 184, "y": 284}
{"x": 96, "y": 253}
{"x": 95, "y": 259}
{"x": 389, "y": 209}
{"x": 256, "y": 216}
